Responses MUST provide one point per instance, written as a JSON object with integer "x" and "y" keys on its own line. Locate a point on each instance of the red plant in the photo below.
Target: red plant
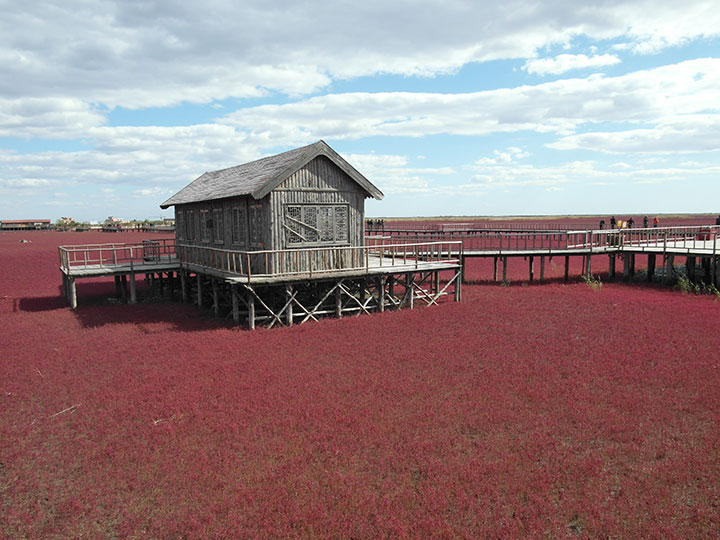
{"x": 548, "y": 411}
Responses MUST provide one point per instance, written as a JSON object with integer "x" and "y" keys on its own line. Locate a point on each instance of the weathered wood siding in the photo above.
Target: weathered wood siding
{"x": 319, "y": 182}
{"x": 259, "y": 241}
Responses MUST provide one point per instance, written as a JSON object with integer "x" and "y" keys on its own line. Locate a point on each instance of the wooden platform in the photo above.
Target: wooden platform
{"x": 248, "y": 277}
{"x": 693, "y": 242}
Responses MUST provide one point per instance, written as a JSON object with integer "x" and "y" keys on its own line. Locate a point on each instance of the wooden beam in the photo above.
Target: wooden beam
{"x": 409, "y": 281}
{"x": 542, "y": 268}
{"x": 626, "y": 265}
{"x": 289, "y": 296}
{"x": 184, "y": 285}
{"x": 235, "y": 304}
{"x": 669, "y": 261}
{"x": 651, "y": 266}
{"x": 690, "y": 268}
{"x": 216, "y": 298}
{"x": 199, "y": 290}
{"x": 251, "y": 308}
{"x": 381, "y": 292}
{"x": 124, "y": 288}
{"x": 338, "y": 300}
{"x": 73, "y": 293}
{"x": 133, "y": 289}
{"x": 458, "y": 288}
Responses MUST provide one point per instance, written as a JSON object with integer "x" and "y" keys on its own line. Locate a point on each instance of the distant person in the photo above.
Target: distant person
{"x": 645, "y": 222}
{"x": 613, "y": 222}
{"x": 602, "y": 224}
{"x": 655, "y": 222}
{"x": 630, "y": 222}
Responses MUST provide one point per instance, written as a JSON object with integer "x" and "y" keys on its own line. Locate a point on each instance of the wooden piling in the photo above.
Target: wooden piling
{"x": 338, "y": 301}
{"x": 183, "y": 286}
{"x": 381, "y": 293}
{"x": 133, "y": 289}
{"x": 124, "y": 289}
{"x": 288, "y": 301}
{"x": 251, "y": 310}
{"x": 73, "y": 293}
{"x": 216, "y": 298}
{"x": 651, "y": 266}
{"x": 669, "y": 261}
{"x": 235, "y": 304}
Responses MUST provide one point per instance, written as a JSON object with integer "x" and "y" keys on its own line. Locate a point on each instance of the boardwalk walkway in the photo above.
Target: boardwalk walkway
{"x": 693, "y": 242}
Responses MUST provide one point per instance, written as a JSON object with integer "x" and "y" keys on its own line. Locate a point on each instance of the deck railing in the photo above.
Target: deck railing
{"x": 135, "y": 254}
{"x": 674, "y": 238}
{"x": 317, "y": 261}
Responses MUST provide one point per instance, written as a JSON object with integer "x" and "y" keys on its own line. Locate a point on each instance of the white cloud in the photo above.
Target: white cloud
{"x": 649, "y": 97}
{"x": 155, "y": 53}
{"x": 690, "y": 133}
{"x": 392, "y": 175}
{"x": 567, "y": 62}
{"x": 47, "y": 118}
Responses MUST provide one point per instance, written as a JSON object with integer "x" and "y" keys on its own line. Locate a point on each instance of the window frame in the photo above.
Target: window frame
{"x": 218, "y": 226}
{"x": 317, "y": 230}
{"x": 239, "y": 225}
{"x": 204, "y": 229}
{"x": 190, "y": 224}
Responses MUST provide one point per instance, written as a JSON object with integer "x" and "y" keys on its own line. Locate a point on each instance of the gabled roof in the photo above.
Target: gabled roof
{"x": 258, "y": 178}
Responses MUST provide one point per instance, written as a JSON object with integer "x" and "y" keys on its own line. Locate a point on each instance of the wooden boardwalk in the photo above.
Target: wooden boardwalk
{"x": 369, "y": 277}
{"x": 359, "y": 279}
{"x": 700, "y": 242}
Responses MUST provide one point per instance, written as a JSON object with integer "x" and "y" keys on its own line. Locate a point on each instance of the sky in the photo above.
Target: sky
{"x": 450, "y": 107}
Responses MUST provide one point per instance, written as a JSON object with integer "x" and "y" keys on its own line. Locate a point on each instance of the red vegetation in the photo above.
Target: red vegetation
{"x": 545, "y": 411}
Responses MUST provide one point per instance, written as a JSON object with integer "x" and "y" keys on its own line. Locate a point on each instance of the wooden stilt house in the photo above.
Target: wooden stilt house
{"x": 309, "y": 197}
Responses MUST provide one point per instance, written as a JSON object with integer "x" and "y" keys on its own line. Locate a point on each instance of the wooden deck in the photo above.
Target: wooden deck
{"x": 692, "y": 242}
{"x": 256, "y": 268}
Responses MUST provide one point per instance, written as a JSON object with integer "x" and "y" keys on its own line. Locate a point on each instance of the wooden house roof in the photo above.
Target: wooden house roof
{"x": 260, "y": 177}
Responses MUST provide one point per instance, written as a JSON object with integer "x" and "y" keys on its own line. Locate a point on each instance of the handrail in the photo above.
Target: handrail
{"x": 113, "y": 255}
{"x": 689, "y": 237}
{"x": 317, "y": 260}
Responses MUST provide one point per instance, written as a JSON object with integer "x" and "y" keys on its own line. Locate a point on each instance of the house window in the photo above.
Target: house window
{"x": 239, "y": 227}
{"x": 255, "y": 215}
{"x": 190, "y": 224}
{"x": 179, "y": 225}
{"x": 218, "y": 228}
{"x": 204, "y": 229}
{"x": 316, "y": 224}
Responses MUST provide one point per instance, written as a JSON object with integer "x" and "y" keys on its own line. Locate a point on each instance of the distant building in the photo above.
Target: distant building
{"x": 113, "y": 223}
{"x": 66, "y": 221}
{"x": 24, "y": 224}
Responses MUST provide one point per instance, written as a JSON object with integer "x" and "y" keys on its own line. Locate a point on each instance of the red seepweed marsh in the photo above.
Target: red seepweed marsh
{"x": 525, "y": 411}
